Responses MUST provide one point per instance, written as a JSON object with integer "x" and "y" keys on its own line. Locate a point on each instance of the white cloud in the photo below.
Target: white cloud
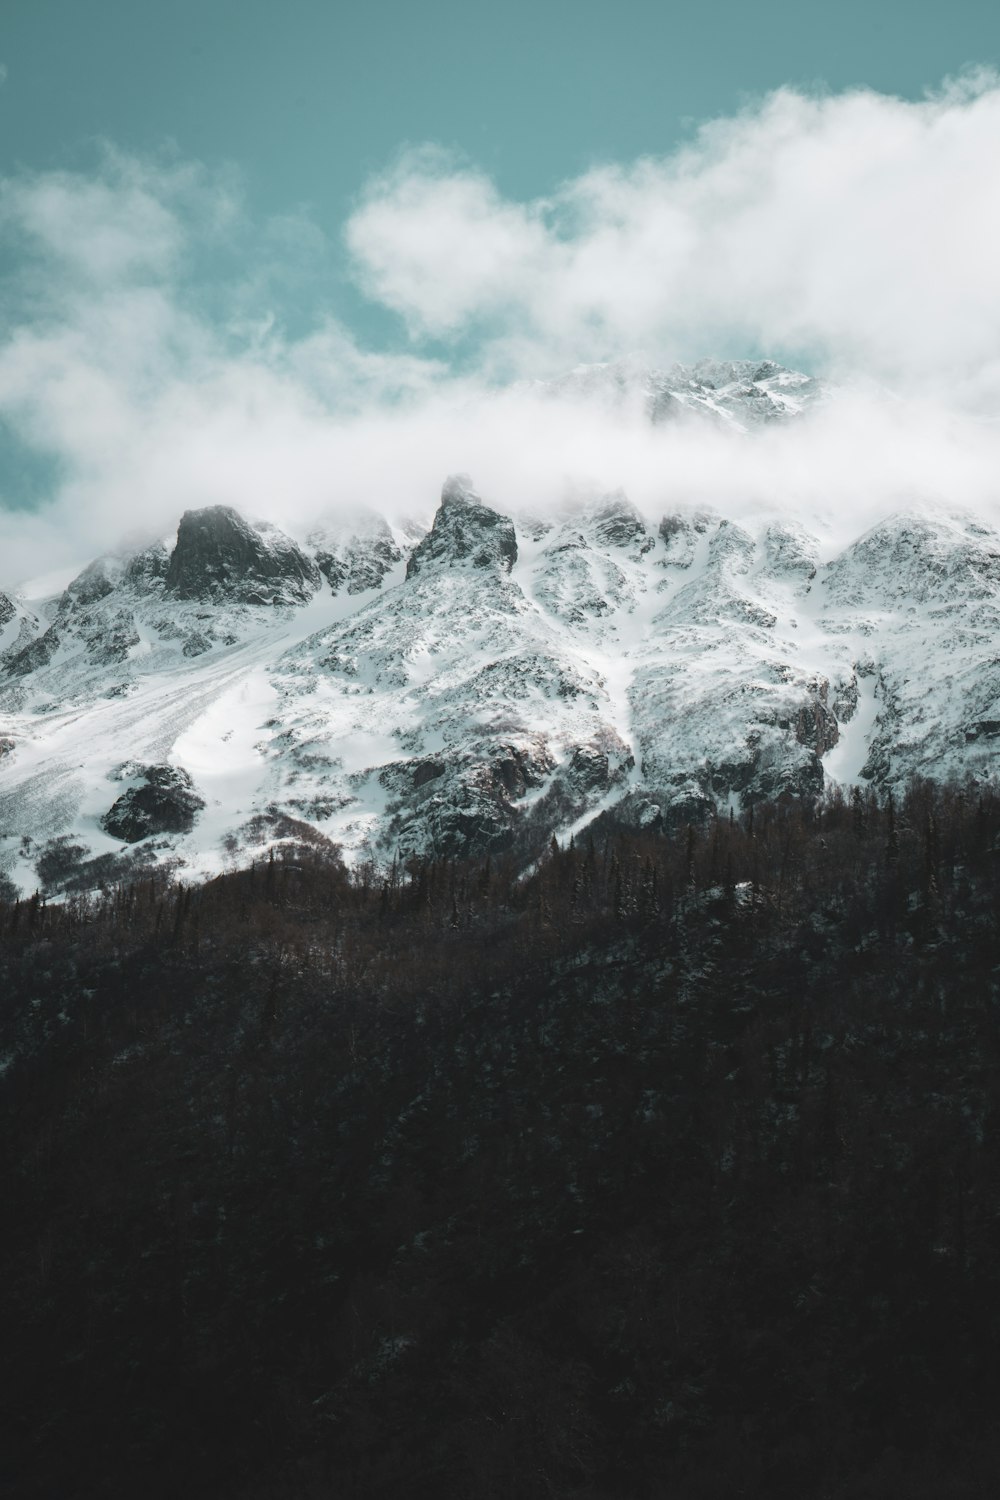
{"x": 439, "y": 245}
{"x": 129, "y": 220}
{"x": 856, "y": 230}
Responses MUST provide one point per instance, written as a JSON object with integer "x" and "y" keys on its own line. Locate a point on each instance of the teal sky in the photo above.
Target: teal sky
{"x": 302, "y": 104}
{"x": 309, "y": 97}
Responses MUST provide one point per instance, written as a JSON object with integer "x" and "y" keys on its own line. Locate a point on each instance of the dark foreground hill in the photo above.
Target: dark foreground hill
{"x": 671, "y": 1168}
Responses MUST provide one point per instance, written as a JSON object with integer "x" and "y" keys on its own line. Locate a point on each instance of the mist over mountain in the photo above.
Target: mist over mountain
{"x": 500, "y": 677}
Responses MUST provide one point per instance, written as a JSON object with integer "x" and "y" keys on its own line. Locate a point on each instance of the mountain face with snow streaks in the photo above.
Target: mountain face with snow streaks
{"x": 735, "y": 394}
{"x": 485, "y": 683}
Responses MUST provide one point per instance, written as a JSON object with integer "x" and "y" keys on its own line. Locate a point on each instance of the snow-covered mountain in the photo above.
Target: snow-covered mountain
{"x": 485, "y": 683}
{"x": 737, "y": 394}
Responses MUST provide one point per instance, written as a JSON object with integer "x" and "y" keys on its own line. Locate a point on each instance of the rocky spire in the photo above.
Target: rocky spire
{"x": 465, "y": 533}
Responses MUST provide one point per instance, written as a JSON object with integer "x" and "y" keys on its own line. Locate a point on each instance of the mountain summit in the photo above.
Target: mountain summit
{"x": 736, "y": 394}
{"x": 465, "y": 531}
{"x": 218, "y": 555}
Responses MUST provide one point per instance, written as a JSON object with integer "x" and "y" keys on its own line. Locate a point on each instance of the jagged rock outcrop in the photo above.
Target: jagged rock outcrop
{"x": 465, "y": 798}
{"x": 617, "y": 523}
{"x": 148, "y": 568}
{"x": 465, "y": 532}
{"x": 37, "y": 652}
{"x": 164, "y": 803}
{"x": 112, "y": 638}
{"x": 220, "y": 556}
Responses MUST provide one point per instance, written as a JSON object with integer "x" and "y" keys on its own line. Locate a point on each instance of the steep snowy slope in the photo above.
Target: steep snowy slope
{"x": 101, "y": 684}
{"x": 924, "y": 592}
{"x": 483, "y": 685}
{"x": 440, "y": 714}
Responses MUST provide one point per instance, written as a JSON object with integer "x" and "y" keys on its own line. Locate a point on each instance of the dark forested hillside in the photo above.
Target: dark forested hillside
{"x": 668, "y": 1168}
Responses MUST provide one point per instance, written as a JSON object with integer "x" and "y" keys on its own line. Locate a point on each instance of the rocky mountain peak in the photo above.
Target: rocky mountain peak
{"x": 220, "y": 556}
{"x": 97, "y": 581}
{"x": 618, "y": 523}
{"x": 465, "y": 531}
{"x": 459, "y": 490}
{"x": 163, "y": 801}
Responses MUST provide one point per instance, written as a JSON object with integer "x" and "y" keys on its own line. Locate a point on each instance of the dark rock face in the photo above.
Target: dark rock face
{"x": 619, "y": 524}
{"x": 816, "y": 725}
{"x": 465, "y": 803}
{"x": 165, "y": 804}
{"x": 196, "y": 644}
{"x": 7, "y": 610}
{"x": 763, "y": 773}
{"x": 219, "y": 556}
{"x": 110, "y": 640}
{"x": 465, "y": 530}
{"x": 38, "y": 653}
{"x": 148, "y": 567}
{"x": 428, "y": 770}
{"x": 985, "y": 729}
{"x": 514, "y": 770}
{"x": 590, "y": 767}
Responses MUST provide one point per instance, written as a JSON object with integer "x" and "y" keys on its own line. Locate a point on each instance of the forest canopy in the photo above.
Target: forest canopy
{"x": 669, "y": 1165}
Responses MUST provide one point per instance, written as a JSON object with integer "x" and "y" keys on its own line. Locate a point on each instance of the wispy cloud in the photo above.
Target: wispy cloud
{"x": 856, "y": 229}
{"x": 147, "y": 351}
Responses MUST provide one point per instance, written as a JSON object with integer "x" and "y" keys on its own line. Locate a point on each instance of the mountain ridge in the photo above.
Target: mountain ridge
{"x": 487, "y": 684}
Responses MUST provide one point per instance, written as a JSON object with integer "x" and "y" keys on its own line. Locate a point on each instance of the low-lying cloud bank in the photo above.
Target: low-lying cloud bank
{"x": 147, "y": 362}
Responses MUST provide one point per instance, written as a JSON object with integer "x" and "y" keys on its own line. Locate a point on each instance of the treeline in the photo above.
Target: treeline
{"x": 900, "y": 864}
{"x": 669, "y": 1166}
